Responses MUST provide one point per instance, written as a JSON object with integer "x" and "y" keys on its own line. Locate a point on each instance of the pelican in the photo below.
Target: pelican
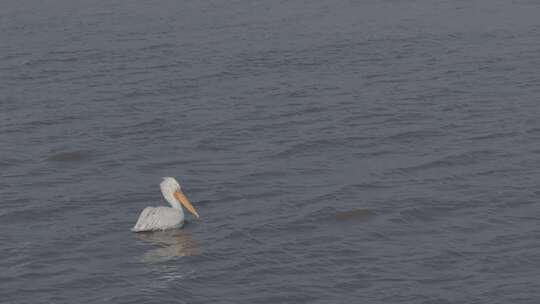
{"x": 163, "y": 218}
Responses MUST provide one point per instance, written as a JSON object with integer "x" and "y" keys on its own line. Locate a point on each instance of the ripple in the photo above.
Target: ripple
{"x": 461, "y": 159}
{"x": 71, "y": 156}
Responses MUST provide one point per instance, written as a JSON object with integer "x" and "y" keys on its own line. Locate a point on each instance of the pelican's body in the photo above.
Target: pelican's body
{"x": 163, "y": 218}
{"x": 159, "y": 218}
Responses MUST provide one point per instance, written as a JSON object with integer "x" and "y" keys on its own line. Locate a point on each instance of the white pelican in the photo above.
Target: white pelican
{"x": 162, "y": 218}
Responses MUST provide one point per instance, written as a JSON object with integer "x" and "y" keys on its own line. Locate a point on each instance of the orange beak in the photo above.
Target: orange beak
{"x": 185, "y": 202}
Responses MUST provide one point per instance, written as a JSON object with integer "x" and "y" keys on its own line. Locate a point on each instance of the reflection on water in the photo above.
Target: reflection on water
{"x": 171, "y": 244}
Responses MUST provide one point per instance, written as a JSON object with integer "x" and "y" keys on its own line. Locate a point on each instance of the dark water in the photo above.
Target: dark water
{"x": 337, "y": 151}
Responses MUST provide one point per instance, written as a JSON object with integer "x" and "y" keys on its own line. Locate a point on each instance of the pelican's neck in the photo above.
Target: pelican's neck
{"x": 169, "y": 197}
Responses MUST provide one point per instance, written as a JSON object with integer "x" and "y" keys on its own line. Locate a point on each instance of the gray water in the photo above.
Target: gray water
{"x": 337, "y": 151}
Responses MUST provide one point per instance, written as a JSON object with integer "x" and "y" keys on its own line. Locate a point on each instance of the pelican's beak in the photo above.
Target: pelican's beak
{"x": 185, "y": 202}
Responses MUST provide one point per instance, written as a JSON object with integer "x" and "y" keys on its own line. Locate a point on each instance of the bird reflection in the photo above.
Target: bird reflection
{"x": 172, "y": 243}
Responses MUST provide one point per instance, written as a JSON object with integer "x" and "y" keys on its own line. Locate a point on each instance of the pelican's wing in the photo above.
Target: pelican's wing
{"x": 158, "y": 218}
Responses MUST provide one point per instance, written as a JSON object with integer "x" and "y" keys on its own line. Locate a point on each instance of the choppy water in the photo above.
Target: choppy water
{"x": 337, "y": 151}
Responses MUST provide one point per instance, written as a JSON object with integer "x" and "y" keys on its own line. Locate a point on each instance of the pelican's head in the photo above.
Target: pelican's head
{"x": 172, "y": 192}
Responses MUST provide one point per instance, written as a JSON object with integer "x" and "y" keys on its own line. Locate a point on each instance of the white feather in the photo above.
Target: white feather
{"x": 159, "y": 218}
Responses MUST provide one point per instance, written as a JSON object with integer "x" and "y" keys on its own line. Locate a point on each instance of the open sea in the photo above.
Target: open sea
{"x": 372, "y": 151}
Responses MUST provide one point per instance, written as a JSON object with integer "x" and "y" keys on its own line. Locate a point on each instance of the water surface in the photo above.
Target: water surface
{"x": 337, "y": 151}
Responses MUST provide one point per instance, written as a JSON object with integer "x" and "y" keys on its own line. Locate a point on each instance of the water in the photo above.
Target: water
{"x": 337, "y": 151}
